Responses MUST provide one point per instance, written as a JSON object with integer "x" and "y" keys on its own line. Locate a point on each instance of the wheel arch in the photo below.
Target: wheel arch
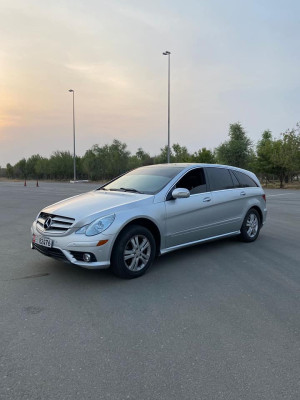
{"x": 146, "y": 223}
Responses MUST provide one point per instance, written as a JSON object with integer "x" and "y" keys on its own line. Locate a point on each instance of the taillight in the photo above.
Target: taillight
{"x": 264, "y": 197}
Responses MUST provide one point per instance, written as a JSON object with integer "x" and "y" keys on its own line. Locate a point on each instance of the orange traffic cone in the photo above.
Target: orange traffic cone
{"x": 37, "y": 183}
{"x": 25, "y": 183}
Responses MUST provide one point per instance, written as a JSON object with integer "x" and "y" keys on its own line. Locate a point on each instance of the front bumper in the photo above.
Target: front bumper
{"x": 70, "y": 249}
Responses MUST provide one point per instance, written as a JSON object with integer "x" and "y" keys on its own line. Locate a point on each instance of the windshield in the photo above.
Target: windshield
{"x": 147, "y": 180}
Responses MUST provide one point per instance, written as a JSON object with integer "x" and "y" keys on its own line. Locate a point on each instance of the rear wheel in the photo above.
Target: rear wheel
{"x": 133, "y": 253}
{"x": 251, "y": 226}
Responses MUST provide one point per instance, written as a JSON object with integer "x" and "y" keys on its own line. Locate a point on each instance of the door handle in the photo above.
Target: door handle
{"x": 206, "y": 199}
{"x": 243, "y": 193}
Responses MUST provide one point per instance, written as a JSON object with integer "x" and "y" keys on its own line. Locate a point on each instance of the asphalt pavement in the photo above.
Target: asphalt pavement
{"x": 216, "y": 321}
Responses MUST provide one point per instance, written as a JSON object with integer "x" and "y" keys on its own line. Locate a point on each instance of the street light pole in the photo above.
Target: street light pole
{"x": 167, "y": 53}
{"x": 74, "y": 157}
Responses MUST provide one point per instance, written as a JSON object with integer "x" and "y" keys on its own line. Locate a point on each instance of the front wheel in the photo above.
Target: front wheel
{"x": 251, "y": 226}
{"x": 133, "y": 252}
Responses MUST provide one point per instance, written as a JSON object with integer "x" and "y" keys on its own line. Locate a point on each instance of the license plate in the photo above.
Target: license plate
{"x": 44, "y": 241}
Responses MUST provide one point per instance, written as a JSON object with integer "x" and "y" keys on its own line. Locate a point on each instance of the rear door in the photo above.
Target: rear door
{"x": 228, "y": 200}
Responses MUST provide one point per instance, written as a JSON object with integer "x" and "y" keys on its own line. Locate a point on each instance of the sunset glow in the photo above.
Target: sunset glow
{"x": 231, "y": 61}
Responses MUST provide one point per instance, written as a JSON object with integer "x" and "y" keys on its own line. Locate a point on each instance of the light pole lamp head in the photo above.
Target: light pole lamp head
{"x": 166, "y": 53}
{"x": 71, "y": 90}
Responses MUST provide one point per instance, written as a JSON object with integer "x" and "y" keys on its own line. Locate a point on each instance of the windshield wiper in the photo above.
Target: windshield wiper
{"x": 121, "y": 189}
{"x": 130, "y": 190}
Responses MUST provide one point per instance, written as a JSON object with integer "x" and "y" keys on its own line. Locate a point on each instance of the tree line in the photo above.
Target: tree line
{"x": 271, "y": 158}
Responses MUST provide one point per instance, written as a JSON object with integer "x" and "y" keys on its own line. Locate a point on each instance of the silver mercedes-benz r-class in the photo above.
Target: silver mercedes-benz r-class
{"x": 150, "y": 211}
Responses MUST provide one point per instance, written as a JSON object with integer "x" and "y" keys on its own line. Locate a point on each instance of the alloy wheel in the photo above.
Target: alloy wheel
{"x": 252, "y": 225}
{"x": 137, "y": 253}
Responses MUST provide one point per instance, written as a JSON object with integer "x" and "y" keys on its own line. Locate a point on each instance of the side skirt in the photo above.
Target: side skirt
{"x": 180, "y": 246}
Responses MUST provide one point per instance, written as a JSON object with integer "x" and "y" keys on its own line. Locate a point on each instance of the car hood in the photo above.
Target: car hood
{"x": 97, "y": 202}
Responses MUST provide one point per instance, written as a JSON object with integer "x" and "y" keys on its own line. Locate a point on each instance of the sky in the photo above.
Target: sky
{"x": 231, "y": 61}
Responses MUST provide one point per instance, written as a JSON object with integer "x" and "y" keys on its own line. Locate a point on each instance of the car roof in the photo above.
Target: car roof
{"x": 187, "y": 166}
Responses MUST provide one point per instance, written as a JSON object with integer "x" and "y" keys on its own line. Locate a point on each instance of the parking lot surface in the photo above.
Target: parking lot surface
{"x": 216, "y": 321}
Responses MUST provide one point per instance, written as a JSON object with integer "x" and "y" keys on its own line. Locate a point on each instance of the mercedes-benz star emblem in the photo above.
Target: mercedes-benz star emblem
{"x": 47, "y": 223}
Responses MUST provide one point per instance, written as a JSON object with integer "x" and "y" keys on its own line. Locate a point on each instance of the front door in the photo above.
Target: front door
{"x": 188, "y": 220}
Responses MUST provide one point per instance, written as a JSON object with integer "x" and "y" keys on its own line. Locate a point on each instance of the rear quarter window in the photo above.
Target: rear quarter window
{"x": 244, "y": 180}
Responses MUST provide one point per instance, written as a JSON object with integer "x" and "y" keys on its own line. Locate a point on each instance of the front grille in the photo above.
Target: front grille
{"x": 50, "y": 251}
{"x": 79, "y": 255}
{"x": 59, "y": 224}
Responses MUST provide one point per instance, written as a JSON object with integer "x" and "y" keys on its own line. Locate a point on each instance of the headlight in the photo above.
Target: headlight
{"x": 97, "y": 226}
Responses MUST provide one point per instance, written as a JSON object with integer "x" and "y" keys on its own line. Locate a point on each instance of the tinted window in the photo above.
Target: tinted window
{"x": 236, "y": 183}
{"x": 194, "y": 181}
{"x": 244, "y": 180}
{"x": 219, "y": 178}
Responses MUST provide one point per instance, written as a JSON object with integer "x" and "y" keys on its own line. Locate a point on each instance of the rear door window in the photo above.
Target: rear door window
{"x": 219, "y": 178}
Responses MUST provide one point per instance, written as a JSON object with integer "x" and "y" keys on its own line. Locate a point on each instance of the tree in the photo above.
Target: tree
{"x": 61, "y": 165}
{"x": 31, "y": 165}
{"x": 42, "y": 168}
{"x": 162, "y": 158}
{"x": 280, "y": 157}
{"x": 237, "y": 150}
{"x": 89, "y": 163}
{"x": 291, "y": 142}
{"x": 273, "y": 157}
{"x": 180, "y": 154}
{"x": 264, "y": 152}
{"x": 9, "y": 171}
{"x": 143, "y": 156}
{"x": 139, "y": 159}
{"x": 285, "y": 156}
{"x": 107, "y": 161}
{"x": 20, "y": 170}
{"x": 204, "y": 156}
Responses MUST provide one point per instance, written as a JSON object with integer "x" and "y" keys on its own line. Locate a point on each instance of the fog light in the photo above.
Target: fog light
{"x": 87, "y": 257}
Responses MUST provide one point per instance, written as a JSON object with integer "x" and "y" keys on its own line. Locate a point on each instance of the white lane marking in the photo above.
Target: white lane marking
{"x": 281, "y": 194}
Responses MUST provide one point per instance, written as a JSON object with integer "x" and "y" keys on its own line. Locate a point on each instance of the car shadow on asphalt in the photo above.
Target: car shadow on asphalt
{"x": 193, "y": 256}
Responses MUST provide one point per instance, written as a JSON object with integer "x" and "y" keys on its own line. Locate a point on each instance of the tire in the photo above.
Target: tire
{"x": 251, "y": 226}
{"x": 133, "y": 252}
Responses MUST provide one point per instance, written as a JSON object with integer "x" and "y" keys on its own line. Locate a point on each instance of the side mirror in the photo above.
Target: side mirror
{"x": 180, "y": 193}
